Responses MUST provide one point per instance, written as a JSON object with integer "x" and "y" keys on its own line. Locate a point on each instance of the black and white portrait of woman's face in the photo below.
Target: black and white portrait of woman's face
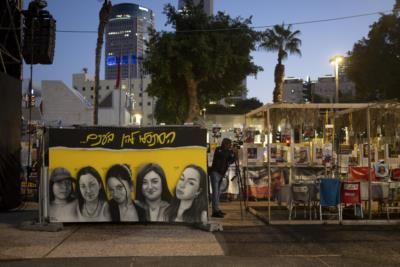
{"x": 188, "y": 184}
{"x": 62, "y": 189}
{"x": 89, "y": 187}
{"x": 152, "y": 186}
{"x": 119, "y": 189}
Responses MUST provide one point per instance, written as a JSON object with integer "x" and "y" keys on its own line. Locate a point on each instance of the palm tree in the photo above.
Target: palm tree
{"x": 283, "y": 40}
{"x": 104, "y": 14}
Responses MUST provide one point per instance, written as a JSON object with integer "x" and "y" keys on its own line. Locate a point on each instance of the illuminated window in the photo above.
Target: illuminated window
{"x": 111, "y": 60}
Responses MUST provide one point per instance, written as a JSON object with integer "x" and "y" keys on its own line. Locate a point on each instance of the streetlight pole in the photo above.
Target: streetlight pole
{"x": 204, "y": 114}
{"x": 335, "y": 61}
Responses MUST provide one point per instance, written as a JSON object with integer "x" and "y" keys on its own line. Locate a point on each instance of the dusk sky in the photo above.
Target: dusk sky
{"x": 321, "y": 40}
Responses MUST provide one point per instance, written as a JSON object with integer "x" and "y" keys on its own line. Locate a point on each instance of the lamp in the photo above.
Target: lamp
{"x": 335, "y": 61}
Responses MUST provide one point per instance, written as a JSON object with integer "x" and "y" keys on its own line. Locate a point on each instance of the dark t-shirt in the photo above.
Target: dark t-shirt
{"x": 222, "y": 159}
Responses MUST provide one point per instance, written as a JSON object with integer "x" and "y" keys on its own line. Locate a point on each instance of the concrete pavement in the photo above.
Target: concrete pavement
{"x": 244, "y": 242}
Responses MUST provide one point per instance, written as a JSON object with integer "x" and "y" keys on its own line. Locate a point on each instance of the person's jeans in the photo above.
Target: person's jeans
{"x": 216, "y": 179}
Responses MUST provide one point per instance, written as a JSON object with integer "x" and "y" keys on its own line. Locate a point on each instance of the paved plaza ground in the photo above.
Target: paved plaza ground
{"x": 245, "y": 241}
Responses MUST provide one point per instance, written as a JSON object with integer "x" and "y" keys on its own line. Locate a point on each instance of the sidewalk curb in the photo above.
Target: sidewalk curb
{"x": 37, "y": 226}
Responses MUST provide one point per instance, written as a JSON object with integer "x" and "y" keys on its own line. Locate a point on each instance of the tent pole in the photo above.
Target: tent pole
{"x": 269, "y": 165}
{"x": 369, "y": 163}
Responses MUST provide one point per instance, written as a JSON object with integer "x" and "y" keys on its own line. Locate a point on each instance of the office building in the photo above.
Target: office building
{"x": 122, "y": 106}
{"x": 126, "y": 34}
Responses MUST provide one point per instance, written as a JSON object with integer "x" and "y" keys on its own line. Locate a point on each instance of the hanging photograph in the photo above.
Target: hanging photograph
{"x": 301, "y": 155}
{"x": 317, "y": 153}
{"x": 249, "y": 135}
{"x": 394, "y": 150}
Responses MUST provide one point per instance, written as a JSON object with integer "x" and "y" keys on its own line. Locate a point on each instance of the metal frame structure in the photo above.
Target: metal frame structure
{"x": 336, "y": 111}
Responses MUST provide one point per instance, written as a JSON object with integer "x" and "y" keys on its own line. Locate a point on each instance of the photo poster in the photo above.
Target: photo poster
{"x": 257, "y": 182}
{"x": 249, "y": 135}
{"x": 392, "y": 154}
{"x": 393, "y": 150}
{"x": 216, "y": 131}
{"x": 381, "y": 170}
{"x": 100, "y": 174}
{"x": 327, "y": 153}
{"x": 364, "y": 154}
{"x": 253, "y": 155}
{"x": 238, "y": 132}
{"x": 279, "y": 153}
{"x": 308, "y": 132}
{"x": 301, "y": 155}
{"x": 317, "y": 154}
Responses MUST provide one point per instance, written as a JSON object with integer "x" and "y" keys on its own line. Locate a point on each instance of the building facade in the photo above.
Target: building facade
{"x": 136, "y": 107}
{"x": 208, "y": 5}
{"x": 292, "y": 90}
{"x": 126, "y": 34}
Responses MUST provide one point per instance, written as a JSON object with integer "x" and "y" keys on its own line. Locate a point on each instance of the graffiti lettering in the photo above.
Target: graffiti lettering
{"x": 149, "y": 139}
{"x": 99, "y": 139}
{"x": 152, "y": 139}
{"x": 128, "y": 138}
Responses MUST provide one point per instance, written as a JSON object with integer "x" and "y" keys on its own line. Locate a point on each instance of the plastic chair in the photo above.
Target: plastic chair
{"x": 394, "y": 199}
{"x": 329, "y": 192}
{"x": 351, "y": 195}
{"x": 300, "y": 196}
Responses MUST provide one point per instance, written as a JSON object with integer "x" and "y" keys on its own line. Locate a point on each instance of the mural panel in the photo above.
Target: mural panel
{"x": 99, "y": 174}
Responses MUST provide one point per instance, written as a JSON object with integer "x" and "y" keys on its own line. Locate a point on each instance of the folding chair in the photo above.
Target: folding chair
{"x": 351, "y": 194}
{"x": 329, "y": 196}
{"x": 300, "y": 196}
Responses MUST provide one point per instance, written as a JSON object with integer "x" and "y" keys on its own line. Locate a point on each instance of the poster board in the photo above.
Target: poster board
{"x": 317, "y": 154}
{"x": 279, "y": 153}
{"x": 257, "y": 182}
{"x": 93, "y": 165}
{"x": 301, "y": 155}
{"x": 364, "y": 154}
{"x": 253, "y": 155}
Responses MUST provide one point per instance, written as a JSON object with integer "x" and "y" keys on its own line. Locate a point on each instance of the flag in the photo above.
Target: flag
{"x": 118, "y": 80}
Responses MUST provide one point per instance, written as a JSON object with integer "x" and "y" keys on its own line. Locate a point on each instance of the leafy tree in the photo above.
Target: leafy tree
{"x": 241, "y": 107}
{"x": 104, "y": 14}
{"x": 204, "y": 59}
{"x": 247, "y": 105}
{"x": 283, "y": 40}
{"x": 374, "y": 62}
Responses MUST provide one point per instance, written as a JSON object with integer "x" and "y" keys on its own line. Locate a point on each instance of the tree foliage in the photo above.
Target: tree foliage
{"x": 240, "y": 107}
{"x": 283, "y": 40}
{"x": 204, "y": 59}
{"x": 374, "y": 62}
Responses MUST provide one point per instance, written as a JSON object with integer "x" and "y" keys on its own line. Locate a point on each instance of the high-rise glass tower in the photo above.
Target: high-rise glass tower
{"x": 126, "y": 33}
{"x": 208, "y": 6}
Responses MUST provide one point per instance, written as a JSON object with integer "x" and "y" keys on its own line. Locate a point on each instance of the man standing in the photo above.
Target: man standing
{"x": 223, "y": 157}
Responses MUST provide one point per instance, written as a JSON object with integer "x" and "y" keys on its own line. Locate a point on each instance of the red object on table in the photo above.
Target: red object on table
{"x": 396, "y": 174}
{"x": 361, "y": 173}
